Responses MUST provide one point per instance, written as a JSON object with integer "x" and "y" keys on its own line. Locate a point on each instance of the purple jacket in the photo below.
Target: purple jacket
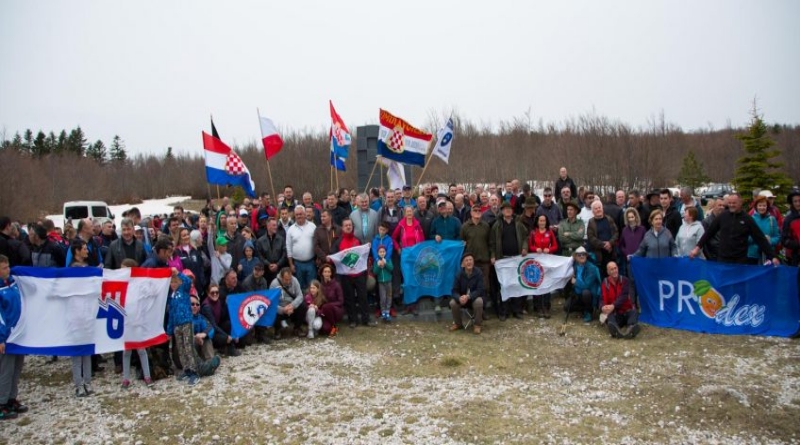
{"x": 630, "y": 239}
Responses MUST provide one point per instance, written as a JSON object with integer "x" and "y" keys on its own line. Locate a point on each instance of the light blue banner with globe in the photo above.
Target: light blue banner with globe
{"x": 429, "y": 269}
{"x": 707, "y": 296}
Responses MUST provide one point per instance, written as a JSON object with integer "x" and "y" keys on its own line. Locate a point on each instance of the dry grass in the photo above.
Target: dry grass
{"x": 415, "y": 382}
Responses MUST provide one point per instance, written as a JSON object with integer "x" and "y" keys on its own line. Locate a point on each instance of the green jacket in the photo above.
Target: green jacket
{"x": 496, "y": 239}
{"x": 383, "y": 274}
{"x": 476, "y": 237}
{"x": 570, "y": 235}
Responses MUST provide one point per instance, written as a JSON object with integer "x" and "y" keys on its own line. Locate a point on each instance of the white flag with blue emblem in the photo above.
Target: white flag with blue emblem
{"x": 533, "y": 274}
{"x": 444, "y": 139}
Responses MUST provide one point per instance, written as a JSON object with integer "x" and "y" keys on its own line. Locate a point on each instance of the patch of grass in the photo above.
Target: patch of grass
{"x": 451, "y": 362}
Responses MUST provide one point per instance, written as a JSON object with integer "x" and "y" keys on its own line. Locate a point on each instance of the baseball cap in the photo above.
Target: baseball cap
{"x": 243, "y": 212}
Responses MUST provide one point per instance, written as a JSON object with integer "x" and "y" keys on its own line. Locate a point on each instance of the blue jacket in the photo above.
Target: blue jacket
{"x": 448, "y": 228}
{"x": 10, "y": 307}
{"x": 587, "y": 277}
{"x": 201, "y": 324}
{"x": 769, "y": 227}
{"x": 386, "y": 241}
{"x": 179, "y": 305}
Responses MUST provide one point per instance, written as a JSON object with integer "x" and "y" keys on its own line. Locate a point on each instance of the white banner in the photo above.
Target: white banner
{"x": 351, "y": 261}
{"x": 534, "y": 274}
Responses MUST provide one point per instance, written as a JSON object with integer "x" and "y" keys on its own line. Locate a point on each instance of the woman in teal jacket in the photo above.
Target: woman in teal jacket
{"x": 586, "y": 284}
{"x": 769, "y": 227}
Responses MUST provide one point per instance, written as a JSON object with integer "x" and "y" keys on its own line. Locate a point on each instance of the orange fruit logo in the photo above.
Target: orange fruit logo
{"x": 708, "y": 298}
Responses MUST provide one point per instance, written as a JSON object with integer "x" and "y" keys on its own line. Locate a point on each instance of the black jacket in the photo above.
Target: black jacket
{"x": 272, "y": 250}
{"x": 734, "y": 229}
{"x": 48, "y": 254}
{"x": 471, "y": 285}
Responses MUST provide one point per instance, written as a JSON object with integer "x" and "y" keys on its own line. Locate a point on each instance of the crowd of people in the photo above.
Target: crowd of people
{"x": 230, "y": 248}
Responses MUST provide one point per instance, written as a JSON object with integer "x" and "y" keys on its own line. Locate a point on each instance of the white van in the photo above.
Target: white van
{"x": 97, "y": 210}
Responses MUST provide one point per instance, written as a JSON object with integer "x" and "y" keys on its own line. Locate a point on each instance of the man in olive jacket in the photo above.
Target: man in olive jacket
{"x": 508, "y": 238}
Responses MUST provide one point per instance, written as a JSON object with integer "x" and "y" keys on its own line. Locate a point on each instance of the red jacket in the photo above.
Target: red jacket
{"x": 617, "y": 294}
{"x": 539, "y": 240}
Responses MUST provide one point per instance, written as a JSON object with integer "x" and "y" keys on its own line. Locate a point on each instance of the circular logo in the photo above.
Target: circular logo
{"x": 251, "y": 310}
{"x": 446, "y": 139}
{"x": 531, "y": 273}
{"x": 428, "y": 267}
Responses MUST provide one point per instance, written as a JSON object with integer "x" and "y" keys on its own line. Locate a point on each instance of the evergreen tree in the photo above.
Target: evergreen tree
{"x": 76, "y": 141}
{"x": 27, "y": 146}
{"x": 97, "y": 151}
{"x": 692, "y": 173}
{"x": 39, "y": 145}
{"x": 16, "y": 142}
{"x": 757, "y": 168}
{"x": 117, "y": 151}
{"x": 61, "y": 145}
{"x": 169, "y": 155}
{"x": 51, "y": 142}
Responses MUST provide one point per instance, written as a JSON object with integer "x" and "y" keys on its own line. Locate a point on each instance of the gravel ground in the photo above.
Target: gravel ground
{"x": 412, "y": 382}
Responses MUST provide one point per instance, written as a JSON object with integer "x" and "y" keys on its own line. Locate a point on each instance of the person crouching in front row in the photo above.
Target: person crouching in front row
{"x": 617, "y": 309}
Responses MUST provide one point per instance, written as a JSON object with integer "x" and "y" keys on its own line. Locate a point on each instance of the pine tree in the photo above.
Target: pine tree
{"x": 76, "y": 141}
{"x": 97, "y": 151}
{"x": 61, "y": 145}
{"x": 757, "y": 168}
{"x": 117, "y": 151}
{"x": 169, "y": 155}
{"x": 27, "y": 146}
{"x": 692, "y": 172}
{"x": 39, "y": 145}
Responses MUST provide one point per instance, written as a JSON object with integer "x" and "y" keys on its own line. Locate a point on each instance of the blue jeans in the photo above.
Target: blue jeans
{"x": 305, "y": 271}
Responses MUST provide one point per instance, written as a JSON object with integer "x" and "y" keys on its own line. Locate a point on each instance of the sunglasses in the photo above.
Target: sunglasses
{"x": 195, "y": 304}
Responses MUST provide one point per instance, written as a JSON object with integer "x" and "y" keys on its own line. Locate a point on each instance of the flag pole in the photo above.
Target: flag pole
{"x": 336, "y": 172}
{"x": 429, "y": 153}
{"x": 218, "y": 198}
{"x": 372, "y": 173}
{"x": 382, "y": 173}
{"x": 331, "y": 183}
{"x": 269, "y": 170}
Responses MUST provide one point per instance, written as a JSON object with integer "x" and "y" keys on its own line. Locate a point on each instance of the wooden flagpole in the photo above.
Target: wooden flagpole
{"x": 430, "y": 155}
{"x": 269, "y": 170}
{"x": 218, "y": 198}
{"x": 331, "y": 183}
{"x": 372, "y": 173}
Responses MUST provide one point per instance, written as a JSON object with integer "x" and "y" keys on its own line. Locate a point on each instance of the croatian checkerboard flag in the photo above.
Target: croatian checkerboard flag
{"x": 399, "y": 141}
{"x": 351, "y": 261}
{"x": 340, "y": 140}
{"x": 87, "y": 310}
{"x": 225, "y": 167}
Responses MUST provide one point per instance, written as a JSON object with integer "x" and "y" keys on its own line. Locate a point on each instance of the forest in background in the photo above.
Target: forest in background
{"x": 40, "y": 171}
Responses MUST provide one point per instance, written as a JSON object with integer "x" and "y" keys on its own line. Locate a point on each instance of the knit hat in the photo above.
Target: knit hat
{"x": 221, "y": 241}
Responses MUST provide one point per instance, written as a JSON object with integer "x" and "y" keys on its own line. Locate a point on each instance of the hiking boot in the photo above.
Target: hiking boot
{"x": 80, "y": 391}
{"x": 634, "y": 331}
{"x": 181, "y": 377}
{"x": 7, "y": 414}
{"x": 14, "y": 405}
{"x": 476, "y": 330}
{"x": 88, "y": 388}
{"x": 215, "y": 362}
{"x": 232, "y": 351}
{"x": 454, "y": 327}
{"x": 126, "y": 384}
{"x": 193, "y": 379}
{"x": 587, "y": 317}
{"x": 615, "y": 331}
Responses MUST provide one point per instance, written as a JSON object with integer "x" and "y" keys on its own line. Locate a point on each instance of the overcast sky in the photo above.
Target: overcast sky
{"x": 153, "y": 71}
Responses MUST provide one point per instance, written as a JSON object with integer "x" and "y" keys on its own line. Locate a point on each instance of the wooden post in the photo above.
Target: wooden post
{"x": 372, "y": 173}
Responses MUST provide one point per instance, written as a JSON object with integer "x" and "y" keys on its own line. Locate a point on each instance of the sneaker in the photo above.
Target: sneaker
{"x": 476, "y": 330}
{"x": 310, "y": 334}
{"x": 126, "y": 384}
{"x": 634, "y": 331}
{"x": 615, "y": 332}
{"x": 149, "y": 382}
{"x": 192, "y": 379}
{"x": 438, "y": 309}
{"x": 334, "y": 331}
{"x": 317, "y": 325}
{"x": 454, "y": 327}
{"x": 80, "y": 391}
{"x": 7, "y": 414}
{"x": 181, "y": 377}
{"x": 88, "y": 388}
{"x": 215, "y": 362}
{"x": 14, "y": 405}
{"x": 587, "y": 317}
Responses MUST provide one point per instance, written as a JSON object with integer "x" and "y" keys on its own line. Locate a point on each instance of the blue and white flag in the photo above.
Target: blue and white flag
{"x": 250, "y": 309}
{"x": 430, "y": 268}
{"x": 87, "y": 310}
{"x": 533, "y": 274}
{"x": 706, "y": 296}
{"x": 444, "y": 140}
